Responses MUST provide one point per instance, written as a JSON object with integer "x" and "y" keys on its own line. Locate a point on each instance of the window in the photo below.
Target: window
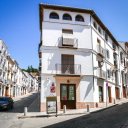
{"x": 99, "y": 30}
{"x": 67, "y": 37}
{"x": 98, "y": 41}
{"x": 54, "y": 15}
{"x": 106, "y": 37}
{"x": 100, "y": 94}
{"x": 108, "y": 55}
{"x": 108, "y": 73}
{"x": 67, "y": 31}
{"x": 121, "y": 57}
{"x": 67, "y": 17}
{"x": 95, "y": 25}
{"x": 114, "y": 46}
{"x": 79, "y": 18}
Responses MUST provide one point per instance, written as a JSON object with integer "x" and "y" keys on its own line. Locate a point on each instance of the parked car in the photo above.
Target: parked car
{"x": 6, "y": 103}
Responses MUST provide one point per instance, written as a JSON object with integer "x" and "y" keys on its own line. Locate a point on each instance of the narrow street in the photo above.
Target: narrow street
{"x": 8, "y": 118}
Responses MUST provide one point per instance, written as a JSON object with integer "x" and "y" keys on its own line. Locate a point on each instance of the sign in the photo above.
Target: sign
{"x": 52, "y": 88}
{"x": 51, "y": 104}
{"x": 106, "y": 84}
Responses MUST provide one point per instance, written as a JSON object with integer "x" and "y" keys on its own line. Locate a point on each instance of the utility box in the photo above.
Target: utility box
{"x": 51, "y": 104}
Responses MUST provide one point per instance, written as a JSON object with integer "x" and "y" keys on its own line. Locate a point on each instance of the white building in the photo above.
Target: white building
{"x": 13, "y": 81}
{"x": 80, "y": 57}
{"x": 3, "y": 67}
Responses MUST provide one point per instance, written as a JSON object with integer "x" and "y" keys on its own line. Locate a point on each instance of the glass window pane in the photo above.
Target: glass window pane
{"x": 71, "y": 93}
{"x": 63, "y": 92}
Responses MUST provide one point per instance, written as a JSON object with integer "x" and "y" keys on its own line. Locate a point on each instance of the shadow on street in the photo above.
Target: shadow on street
{"x": 115, "y": 117}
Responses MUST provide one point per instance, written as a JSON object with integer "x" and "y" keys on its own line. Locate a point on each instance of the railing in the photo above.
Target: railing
{"x": 101, "y": 73}
{"x": 66, "y": 69}
{"x": 68, "y": 42}
{"x": 100, "y": 50}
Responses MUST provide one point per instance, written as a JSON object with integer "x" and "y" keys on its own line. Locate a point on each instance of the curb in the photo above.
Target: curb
{"x": 53, "y": 115}
{"x": 104, "y": 108}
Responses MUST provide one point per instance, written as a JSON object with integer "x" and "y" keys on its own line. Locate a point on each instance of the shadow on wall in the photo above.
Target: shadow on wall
{"x": 89, "y": 85}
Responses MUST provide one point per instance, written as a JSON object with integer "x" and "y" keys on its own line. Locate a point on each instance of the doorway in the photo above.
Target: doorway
{"x": 117, "y": 93}
{"x": 68, "y": 96}
{"x": 109, "y": 95}
{"x": 67, "y": 64}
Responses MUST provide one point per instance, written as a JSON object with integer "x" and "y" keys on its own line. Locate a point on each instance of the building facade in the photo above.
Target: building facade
{"x": 80, "y": 60}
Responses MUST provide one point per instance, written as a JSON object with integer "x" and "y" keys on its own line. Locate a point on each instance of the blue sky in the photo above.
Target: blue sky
{"x": 19, "y": 23}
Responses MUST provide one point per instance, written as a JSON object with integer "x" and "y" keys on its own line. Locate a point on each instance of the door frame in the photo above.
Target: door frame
{"x": 68, "y": 101}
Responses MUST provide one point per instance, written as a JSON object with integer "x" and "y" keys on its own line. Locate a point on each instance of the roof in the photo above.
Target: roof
{"x": 73, "y": 9}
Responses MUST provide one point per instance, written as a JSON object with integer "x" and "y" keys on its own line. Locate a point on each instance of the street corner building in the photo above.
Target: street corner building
{"x": 81, "y": 63}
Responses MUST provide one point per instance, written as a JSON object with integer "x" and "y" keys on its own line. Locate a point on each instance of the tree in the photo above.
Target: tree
{"x": 30, "y": 69}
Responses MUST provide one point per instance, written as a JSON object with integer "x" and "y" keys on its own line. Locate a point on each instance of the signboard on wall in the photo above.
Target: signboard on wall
{"x": 51, "y": 104}
{"x": 52, "y": 88}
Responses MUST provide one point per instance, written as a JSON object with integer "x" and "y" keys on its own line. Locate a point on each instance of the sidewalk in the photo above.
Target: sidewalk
{"x": 68, "y": 112}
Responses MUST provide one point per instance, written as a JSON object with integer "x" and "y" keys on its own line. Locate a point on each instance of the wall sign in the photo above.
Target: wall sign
{"x": 51, "y": 104}
{"x": 52, "y": 88}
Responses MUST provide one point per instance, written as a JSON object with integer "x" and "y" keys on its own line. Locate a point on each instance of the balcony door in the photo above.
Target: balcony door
{"x": 68, "y": 96}
{"x": 67, "y": 62}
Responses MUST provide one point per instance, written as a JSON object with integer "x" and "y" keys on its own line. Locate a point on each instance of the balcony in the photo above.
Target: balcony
{"x": 100, "y": 51}
{"x": 68, "y": 42}
{"x": 101, "y": 73}
{"x": 64, "y": 69}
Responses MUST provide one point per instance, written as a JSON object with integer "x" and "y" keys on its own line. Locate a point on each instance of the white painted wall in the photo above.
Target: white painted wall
{"x": 86, "y": 89}
{"x": 52, "y": 32}
{"x": 51, "y": 57}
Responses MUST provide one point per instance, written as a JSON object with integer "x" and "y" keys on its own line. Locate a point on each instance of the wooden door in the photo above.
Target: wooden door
{"x": 68, "y": 96}
{"x": 117, "y": 93}
{"x": 109, "y": 94}
{"x": 124, "y": 92}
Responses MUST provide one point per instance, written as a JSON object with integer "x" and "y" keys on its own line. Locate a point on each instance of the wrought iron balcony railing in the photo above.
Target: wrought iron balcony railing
{"x": 100, "y": 50}
{"x": 101, "y": 73}
{"x": 67, "y": 69}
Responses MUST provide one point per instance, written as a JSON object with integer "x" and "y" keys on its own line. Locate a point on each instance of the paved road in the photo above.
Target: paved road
{"x": 115, "y": 117}
{"x": 9, "y": 118}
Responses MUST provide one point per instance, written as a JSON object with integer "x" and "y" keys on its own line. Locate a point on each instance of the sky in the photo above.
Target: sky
{"x": 19, "y": 24}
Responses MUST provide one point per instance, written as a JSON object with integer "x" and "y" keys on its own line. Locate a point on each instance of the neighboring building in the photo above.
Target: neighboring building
{"x": 3, "y": 67}
{"x": 13, "y": 81}
{"x": 80, "y": 57}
